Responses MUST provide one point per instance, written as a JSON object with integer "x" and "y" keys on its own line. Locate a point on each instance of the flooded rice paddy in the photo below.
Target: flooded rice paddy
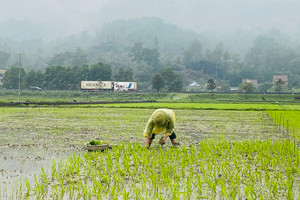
{"x": 32, "y": 138}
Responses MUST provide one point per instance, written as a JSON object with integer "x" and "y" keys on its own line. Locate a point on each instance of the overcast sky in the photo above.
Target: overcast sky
{"x": 71, "y": 16}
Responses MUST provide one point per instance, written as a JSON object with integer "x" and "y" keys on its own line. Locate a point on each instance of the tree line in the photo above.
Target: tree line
{"x": 59, "y": 77}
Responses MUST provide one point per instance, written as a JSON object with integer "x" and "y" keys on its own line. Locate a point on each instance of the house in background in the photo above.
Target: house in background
{"x": 234, "y": 89}
{"x": 194, "y": 86}
{"x": 2, "y": 72}
{"x": 253, "y": 81}
{"x": 284, "y": 78}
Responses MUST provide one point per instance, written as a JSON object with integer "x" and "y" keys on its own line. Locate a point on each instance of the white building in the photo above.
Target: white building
{"x": 253, "y": 81}
{"x": 2, "y": 72}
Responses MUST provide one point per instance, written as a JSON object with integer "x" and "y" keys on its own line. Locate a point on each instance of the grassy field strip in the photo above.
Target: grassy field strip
{"x": 205, "y": 106}
{"x": 7, "y": 96}
{"x": 288, "y": 119}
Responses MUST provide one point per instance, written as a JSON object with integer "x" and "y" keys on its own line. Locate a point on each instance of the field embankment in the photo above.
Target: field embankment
{"x": 75, "y": 97}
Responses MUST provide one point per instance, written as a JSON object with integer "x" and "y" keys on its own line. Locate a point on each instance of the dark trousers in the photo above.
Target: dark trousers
{"x": 172, "y": 136}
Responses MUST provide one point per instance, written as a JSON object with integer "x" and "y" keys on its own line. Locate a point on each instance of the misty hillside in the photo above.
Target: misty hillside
{"x": 149, "y": 44}
{"x": 116, "y": 37}
{"x": 149, "y": 30}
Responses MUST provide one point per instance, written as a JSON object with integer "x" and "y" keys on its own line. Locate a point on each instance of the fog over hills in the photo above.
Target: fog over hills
{"x": 56, "y": 18}
{"x": 46, "y": 27}
{"x": 214, "y": 15}
{"x": 227, "y": 40}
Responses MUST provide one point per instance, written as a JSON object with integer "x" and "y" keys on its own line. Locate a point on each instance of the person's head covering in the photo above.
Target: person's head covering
{"x": 159, "y": 118}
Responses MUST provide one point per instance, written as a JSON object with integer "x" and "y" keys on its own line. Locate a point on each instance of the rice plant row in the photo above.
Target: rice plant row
{"x": 213, "y": 169}
{"x": 289, "y": 123}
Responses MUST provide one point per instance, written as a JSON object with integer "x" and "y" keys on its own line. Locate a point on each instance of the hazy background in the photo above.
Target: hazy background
{"x": 227, "y": 40}
{"x": 54, "y": 18}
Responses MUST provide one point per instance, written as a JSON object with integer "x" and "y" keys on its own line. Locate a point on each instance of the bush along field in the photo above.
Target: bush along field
{"x": 226, "y": 152}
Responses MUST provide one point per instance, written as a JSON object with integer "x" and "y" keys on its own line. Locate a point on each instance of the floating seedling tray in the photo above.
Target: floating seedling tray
{"x": 98, "y": 147}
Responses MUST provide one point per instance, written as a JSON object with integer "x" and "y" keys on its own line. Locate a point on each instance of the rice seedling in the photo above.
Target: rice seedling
{"x": 251, "y": 159}
{"x": 230, "y": 173}
{"x": 288, "y": 122}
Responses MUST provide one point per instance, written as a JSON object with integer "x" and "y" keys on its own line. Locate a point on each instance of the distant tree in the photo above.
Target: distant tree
{"x": 173, "y": 80}
{"x": 261, "y": 54}
{"x": 233, "y": 70}
{"x": 78, "y": 58}
{"x": 137, "y": 52}
{"x": 246, "y": 87}
{"x": 124, "y": 75}
{"x": 143, "y": 72}
{"x": 30, "y": 79}
{"x": 140, "y": 54}
{"x": 234, "y": 79}
{"x": 68, "y": 58}
{"x": 11, "y": 78}
{"x": 100, "y": 72}
{"x": 56, "y": 78}
{"x": 176, "y": 85}
{"x": 60, "y": 59}
{"x": 4, "y": 57}
{"x": 224, "y": 85}
{"x": 192, "y": 55}
{"x": 264, "y": 87}
{"x": 151, "y": 57}
{"x": 81, "y": 73}
{"x": 279, "y": 86}
{"x": 267, "y": 56}
{"x": 217, "y": 55}
{"x": 211, "y": 85}
{"x": 71, "y": 78}
{"x": 34, "y": 78}
{"x": 157, "y": 82}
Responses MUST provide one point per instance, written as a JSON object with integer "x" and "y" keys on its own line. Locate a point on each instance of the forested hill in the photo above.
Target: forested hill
{"x": 149, "y": 44}
{"x": 149, "y": 30}
{"x": 116, "y": 37}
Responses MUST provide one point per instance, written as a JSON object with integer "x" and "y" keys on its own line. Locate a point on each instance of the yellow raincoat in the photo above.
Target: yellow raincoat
{"x": 166, "y": 128}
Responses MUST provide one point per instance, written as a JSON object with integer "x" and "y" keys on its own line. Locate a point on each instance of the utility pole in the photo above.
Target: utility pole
{"x": 20, "y": 63}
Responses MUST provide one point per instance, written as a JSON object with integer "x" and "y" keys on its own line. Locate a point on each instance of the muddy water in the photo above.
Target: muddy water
{"x": 23, "y": 155}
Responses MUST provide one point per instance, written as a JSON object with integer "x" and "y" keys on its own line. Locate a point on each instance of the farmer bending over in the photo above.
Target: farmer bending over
{"x": 162, "y": 121}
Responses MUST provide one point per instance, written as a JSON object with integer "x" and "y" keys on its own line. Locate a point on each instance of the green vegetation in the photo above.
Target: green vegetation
{"x": 228, "y": 151}
{"x": 201, "y": 106}
{"x": 157, "y": 82}
{"x": 70, "y": 96}
{"x": 289, "y": 119}
{"x": 218, "y": 169}
{"x": 97, "y": 142}
{"x": 136, "y": 49}
{"x": 7, "y": 96}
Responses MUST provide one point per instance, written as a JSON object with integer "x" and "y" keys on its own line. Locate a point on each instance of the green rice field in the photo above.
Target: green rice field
{"x": 228, "y": 151}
